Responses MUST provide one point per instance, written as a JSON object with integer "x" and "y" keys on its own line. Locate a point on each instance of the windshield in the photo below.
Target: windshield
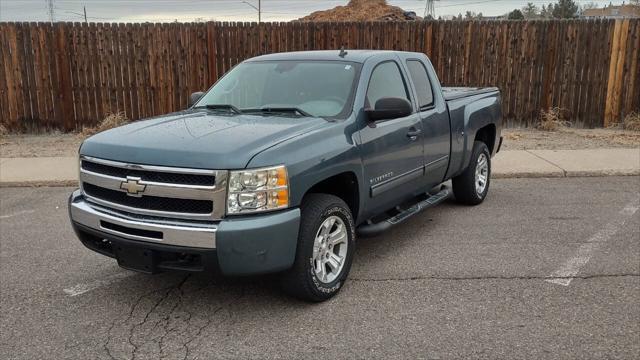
{"x": 317, "y": 88}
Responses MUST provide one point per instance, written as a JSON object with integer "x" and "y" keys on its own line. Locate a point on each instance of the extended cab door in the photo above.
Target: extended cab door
{"x": 434, "y": 116}
{"x": 391, "y": 150}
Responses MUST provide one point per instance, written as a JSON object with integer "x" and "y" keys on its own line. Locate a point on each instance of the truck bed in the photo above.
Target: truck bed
{"x": 452, "y": 93}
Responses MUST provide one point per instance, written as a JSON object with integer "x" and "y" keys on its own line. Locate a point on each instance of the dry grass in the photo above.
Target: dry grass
{"x": 632, "y": 121}
{"x": 3, "y": 130}
{"x": 552, "y": 120}
{"x": 569, "y": 139}
{"x": 111, "y": 121}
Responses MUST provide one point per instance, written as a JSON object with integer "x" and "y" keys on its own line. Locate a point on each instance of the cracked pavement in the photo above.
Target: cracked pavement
{"x": 452, "y": 282}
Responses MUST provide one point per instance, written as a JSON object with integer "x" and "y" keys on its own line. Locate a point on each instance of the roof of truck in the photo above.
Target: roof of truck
{"x": 358, "y": 56}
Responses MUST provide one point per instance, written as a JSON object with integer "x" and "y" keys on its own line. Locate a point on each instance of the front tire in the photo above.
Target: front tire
{"x": 471, "y": 187}
{"x": 326, "y": 244}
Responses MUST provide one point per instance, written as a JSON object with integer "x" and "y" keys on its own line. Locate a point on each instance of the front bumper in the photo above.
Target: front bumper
{"x": 247, "y": 245}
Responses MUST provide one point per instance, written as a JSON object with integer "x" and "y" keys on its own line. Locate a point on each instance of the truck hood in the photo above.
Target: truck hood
{"x": 197, "y": 139}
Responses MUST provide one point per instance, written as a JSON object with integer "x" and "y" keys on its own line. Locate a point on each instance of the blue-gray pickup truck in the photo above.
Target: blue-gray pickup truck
{"x": 281, "y": 164}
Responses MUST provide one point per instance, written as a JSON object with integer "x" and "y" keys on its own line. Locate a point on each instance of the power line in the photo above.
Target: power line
{"x": 259, "y": 8}
{"x": 233, "y": 9}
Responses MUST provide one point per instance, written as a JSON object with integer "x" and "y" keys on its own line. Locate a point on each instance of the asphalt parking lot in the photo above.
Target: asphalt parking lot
{"x": 545, "y": 268}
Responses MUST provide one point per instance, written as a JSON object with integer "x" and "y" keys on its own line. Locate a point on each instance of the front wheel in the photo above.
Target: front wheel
{"x": 472, "y": 186}
{"x": 326, "y": 243}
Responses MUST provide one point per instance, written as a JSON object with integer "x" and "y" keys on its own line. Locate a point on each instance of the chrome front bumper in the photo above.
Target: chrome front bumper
{"x": 188, "y": 234}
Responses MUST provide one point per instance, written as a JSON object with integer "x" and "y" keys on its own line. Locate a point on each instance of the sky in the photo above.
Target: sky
{"x": 230, "y": 10}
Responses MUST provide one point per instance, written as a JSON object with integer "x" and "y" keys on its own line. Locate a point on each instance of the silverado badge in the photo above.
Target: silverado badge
{"x": 133, "y": 186}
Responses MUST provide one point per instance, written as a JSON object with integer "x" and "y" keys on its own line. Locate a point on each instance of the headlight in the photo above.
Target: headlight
{"x": 257, "y": 190}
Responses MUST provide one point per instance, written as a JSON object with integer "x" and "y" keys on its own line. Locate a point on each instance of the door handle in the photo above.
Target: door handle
{"x": 413, "y": 133}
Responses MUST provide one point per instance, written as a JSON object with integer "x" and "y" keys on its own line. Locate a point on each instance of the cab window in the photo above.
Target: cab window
{"x": 386, "y": 81}
{"x": 421, "y": 81}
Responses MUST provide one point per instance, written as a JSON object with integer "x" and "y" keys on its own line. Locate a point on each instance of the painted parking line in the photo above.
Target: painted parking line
{"x": 571, "y": 268}
{"x": 22, "y": 212}
{"x": 80, "y": 289}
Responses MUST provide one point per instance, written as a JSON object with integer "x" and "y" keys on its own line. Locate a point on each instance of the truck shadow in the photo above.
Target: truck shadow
{"x": 183, "y": 315}
{"x": 405, "y": 233}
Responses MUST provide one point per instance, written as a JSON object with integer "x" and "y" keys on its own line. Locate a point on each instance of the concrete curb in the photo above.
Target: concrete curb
{"x": 49, "y": 183}
{"x": 598, "y": 173}
{"x": 524, "y": 175}
{"x": 63, "y": 171}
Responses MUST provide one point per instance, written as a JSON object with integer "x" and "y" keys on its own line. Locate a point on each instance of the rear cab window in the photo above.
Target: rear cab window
{"x": 424, "y": 91}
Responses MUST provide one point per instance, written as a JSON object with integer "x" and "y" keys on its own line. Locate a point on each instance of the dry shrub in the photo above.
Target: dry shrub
{"x": 552, "y": 120}
{"x": 110, "y": 122}
{"x": 3, "y": 130}
{"x": 512, "y": 136}
{"x": 632, "y": 121}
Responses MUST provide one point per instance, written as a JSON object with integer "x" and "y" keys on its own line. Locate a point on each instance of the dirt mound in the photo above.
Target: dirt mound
{"x": 363, "y": 10}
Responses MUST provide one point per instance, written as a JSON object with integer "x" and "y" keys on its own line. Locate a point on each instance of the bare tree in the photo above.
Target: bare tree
{"x": 530, "y": 11}
{"x": 471, "y": 15}
{"x": 589, "y": 5}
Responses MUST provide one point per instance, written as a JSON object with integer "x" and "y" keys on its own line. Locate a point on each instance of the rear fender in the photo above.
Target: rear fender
{"x": 476, "y": 115}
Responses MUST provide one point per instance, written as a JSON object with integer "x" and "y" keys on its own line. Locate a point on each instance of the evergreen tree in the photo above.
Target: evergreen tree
{"x": 515, "y": 15}
{"x": 565, "y": 9}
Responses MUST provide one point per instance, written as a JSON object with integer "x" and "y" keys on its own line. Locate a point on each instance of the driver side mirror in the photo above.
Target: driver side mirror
{"x": 388, "y": 108}
{"x": 195, "y": 97}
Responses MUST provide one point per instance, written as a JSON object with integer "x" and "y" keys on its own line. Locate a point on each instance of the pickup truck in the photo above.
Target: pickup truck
{"x": 282, "y": 163}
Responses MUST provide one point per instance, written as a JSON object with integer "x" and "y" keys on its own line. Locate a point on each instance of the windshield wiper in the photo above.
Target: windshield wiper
{"x": 279, "y": 110}
{"x": 228, "y": 107}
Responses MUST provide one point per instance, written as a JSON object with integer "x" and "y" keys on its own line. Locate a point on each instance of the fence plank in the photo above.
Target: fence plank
{"x": 5, "y": 112}
{"x": 633, "y": 93}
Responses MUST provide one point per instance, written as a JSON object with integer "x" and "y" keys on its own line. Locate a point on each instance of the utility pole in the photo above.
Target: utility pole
{"x": 50, "y": 10}
{"x": 259, "y": 8}
{"x": 85, "y": 15}
{"x": 429, "y": 9}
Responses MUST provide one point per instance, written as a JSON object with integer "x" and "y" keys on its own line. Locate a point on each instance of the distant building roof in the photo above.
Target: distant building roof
{"x": 613, "y": 11}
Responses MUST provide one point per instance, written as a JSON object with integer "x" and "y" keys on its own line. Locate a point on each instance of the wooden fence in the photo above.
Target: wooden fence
{"x": 69, "y": 75}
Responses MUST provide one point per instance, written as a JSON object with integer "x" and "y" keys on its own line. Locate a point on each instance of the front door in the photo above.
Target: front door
{"x": 392, "y": 150}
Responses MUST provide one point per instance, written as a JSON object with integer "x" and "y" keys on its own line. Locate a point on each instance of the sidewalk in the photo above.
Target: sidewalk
{"x": 63, "y": 171}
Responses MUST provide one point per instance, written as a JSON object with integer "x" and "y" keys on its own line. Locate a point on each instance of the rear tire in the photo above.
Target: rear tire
{"x": 326, "y": 243}
{"x": 471, "y": 187}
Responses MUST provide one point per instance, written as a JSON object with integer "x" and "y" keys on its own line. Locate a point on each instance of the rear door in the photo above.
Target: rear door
{"x": 434, "y": 118}
{"x": 392, "y": 150}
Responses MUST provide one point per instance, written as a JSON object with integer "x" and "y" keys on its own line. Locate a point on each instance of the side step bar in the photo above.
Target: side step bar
{"x": 371, "y": 229}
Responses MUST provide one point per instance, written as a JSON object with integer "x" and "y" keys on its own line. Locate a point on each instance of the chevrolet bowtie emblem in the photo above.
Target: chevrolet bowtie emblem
{"x": 133, "y": 186}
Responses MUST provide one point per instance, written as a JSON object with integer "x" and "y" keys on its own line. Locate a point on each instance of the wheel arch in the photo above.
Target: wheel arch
{"x": 487, "y": 135}
{"x": 344, "y": 185}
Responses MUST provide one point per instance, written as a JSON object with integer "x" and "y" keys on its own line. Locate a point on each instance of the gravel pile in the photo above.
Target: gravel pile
{"x": 363, "y": 10}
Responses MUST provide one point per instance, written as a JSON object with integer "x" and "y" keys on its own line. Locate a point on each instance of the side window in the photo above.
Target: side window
{"x": 421, "y": 82}
{"x": 386, "y": 81}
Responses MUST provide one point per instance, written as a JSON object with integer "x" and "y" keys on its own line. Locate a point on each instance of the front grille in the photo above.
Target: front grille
{"x": 163, "y": 192}
{"x": 160, "y": 177}
{"x": 190, "y": 206}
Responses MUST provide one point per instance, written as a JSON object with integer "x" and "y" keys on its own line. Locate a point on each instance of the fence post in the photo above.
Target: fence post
{"x": 616, "y": 65}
